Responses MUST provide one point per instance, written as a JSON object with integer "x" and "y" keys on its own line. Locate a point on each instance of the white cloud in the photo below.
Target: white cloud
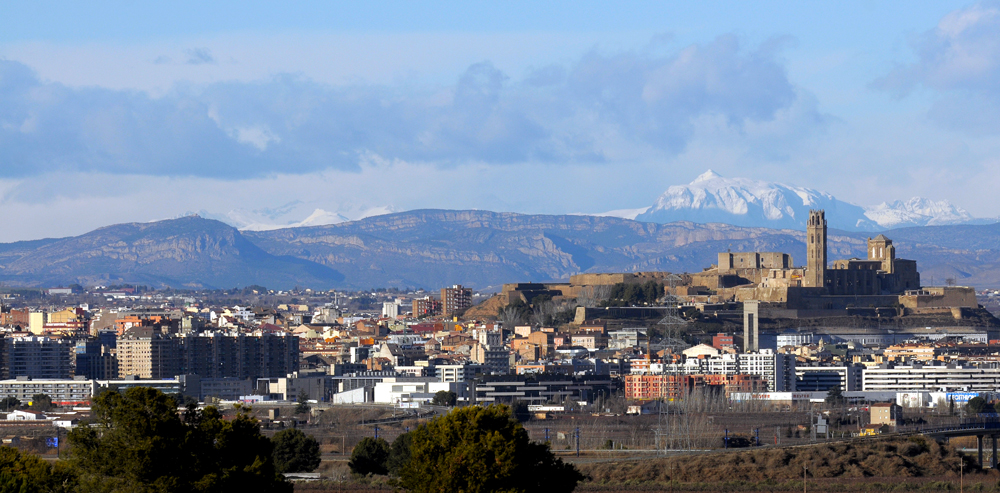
{"x": 599, "y": 108}
{"x": 960, "y": 61}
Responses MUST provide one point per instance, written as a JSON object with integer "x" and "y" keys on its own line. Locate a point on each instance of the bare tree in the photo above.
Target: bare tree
{"x": 510, "y": 316}
{"x": 602, "y": 292}
{"x": 542, "y": 312}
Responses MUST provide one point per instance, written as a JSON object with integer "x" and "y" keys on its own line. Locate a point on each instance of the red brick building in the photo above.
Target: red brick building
{"x": 675, "y": 387}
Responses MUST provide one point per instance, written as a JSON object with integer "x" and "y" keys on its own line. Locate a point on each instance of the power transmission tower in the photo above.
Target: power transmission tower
{"x": 673, "y": 324}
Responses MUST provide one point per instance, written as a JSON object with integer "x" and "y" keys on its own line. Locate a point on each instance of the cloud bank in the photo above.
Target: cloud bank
{"x": 960, "y": 61}
{"x": 599, "y": 109}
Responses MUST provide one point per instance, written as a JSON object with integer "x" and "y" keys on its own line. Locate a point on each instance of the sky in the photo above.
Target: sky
{"x": 267, "y": 114}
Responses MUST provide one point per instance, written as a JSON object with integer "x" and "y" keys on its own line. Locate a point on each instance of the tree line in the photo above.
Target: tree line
{"x": 140, "y": 440}
{"x": 471, "y": 449}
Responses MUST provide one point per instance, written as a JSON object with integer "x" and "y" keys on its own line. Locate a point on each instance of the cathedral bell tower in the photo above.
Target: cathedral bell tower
{"x": 815, "y": 275}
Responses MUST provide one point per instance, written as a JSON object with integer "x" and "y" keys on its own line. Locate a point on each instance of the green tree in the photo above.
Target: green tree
{"x": 976, "y": 405}
{"x": 41, "y": 403}
{"x": 835, "y": 397}
{"x": 295, "y": 451}
{"x": 399, "y": 453}
{"x": 9, "y": 403}
{"x": 370, "y": 456}
{"x": 444, "y": 398}
{"x": 521, "y": 412}
{"x": 303, "y": 403}
{"x": 482, "y": 449}
{"x": 138, "y": 442}
{"x": 26, "y": 473}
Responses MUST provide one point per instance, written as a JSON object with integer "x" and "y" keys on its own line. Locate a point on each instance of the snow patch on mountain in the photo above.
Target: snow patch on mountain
{"x": 755, "y": 203}
{"x": 622, "y": 213}
{"x": 293, "y": 215}
{"x": 917, "y": 212}
{"x": 748, "y": 202}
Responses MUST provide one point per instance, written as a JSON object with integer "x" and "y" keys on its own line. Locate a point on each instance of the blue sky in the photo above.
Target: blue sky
{"x": 257, "y": 113}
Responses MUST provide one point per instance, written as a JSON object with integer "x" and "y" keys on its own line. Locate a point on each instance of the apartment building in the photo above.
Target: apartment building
{"x": 455, "y": 299}
{"x": 678, "y": 387}
{"x": 916, "y": 377}
{"x": 145, "y": 352}
{"x": 426, "y": 306}
{"x": 494, "y": 360}
{"x": 823, "y": 378}
{"x": 36, "y": 357}
{"x": 95, "y": 360}
{"x": 63, "y": 391}
{"x": 540, "y": 390}
{"x": 776, "y": 368}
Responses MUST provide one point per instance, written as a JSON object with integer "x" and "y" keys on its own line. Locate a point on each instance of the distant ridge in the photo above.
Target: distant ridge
{"x": 186, "y": 252}
{"x": 435, "y": 248}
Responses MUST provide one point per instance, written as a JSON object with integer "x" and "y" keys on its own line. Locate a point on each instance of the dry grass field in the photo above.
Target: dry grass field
{"x": 870, "y": 465}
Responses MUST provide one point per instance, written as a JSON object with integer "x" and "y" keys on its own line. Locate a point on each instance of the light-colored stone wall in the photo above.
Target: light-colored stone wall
{"x": 941, "y": 297}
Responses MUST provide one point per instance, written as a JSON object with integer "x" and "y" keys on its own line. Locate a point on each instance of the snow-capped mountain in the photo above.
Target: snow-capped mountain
{"x": 917, "y": 212}
{"x": 711, "y": 198}
{"x": 754, "y": 203}
{"x": 292, "y": 215}
{"x": 622, "y": 213}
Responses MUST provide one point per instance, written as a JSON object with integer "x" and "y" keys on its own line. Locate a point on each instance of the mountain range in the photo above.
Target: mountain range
{"x": 710, "y": 198}
{"x": 435, "y": 248}
{"x": 755, "y": 203}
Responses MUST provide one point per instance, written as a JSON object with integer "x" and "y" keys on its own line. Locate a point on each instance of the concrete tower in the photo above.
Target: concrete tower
{"x": 815, "y": 250}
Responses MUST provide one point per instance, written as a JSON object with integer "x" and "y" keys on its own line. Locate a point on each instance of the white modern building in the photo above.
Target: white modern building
{"x": 390, "y": 309}
{"x": 61, "y": 391}
{"x": 929, "y": 378}
{"x": 420, "y": 392}
{"x": 823, "y": 378}
{"x": 778, "y": 369}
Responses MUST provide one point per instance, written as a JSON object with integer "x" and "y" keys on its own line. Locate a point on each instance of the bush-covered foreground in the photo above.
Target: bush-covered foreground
{"x": 900, "y": 464}
{"x": 138, "y": 442}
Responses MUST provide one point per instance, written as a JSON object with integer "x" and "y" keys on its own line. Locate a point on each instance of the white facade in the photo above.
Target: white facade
{"x": 399, "y": 392}
{"x": 932, "y": 379}
{"x": 359, "y": 395}
{"x": 625, "y": 338}
{"x": 61, "y": 391}
{"x": 390, "y": 309}
{"x": 456, "y": 373}
{"x": 795, "y": 339}
{"x": 25, "y": 416}
{"x": 778, "y": 369}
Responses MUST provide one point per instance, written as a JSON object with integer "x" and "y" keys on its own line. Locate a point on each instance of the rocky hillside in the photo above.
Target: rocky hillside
{"x": 434, "y": 248}
{"x": 481, "y": 248}
{"x": 188, "y": 252}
